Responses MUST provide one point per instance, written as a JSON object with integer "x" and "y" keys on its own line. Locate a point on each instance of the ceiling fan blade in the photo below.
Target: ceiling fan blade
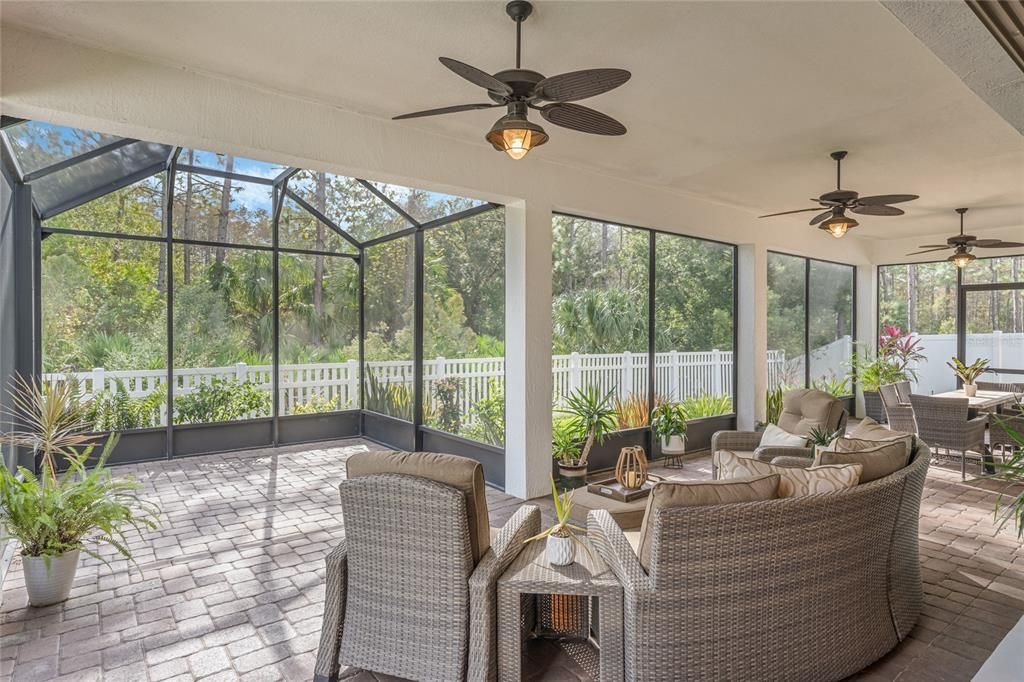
{"x": 879, "y": 209}
{"x": 935, "y": 246}
{"x": 447, "y": 110}
{"x": 583, "y": 119}
{"x": 476, "y": 76}
{"x": 568, "y": 87}
{"x": 880, "y": 199}
{"x": 821, "y": 216}
{"x": 986, "y": 244}
{"x": 799, "y": 210}
{"x": 918, "y": 253}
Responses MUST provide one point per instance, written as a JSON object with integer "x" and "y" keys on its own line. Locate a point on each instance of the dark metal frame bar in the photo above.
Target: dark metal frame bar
{"x": 961, "y": 318}
{"x": 217, "y": 173}
{"x": 383, "y": 197}
{"x": 75, "y": 160}
{"x": 97, "y": 192}
{"x": 312, "y": 210}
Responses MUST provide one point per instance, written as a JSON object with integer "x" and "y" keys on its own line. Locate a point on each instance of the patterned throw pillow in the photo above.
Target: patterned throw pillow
{"x": 869, "y": 429}
{"x": 794, "y": 481}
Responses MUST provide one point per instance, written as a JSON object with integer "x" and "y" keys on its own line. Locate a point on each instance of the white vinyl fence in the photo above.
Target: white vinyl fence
{"x": 678, "y": 376}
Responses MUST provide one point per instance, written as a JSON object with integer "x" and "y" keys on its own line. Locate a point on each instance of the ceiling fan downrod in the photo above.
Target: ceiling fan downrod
{"x": 519, "y": 10}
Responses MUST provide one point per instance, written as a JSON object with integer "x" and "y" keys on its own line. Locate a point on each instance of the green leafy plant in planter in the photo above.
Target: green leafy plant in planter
{"x": 837, "y": 387}
{"x": 707, "y": 405}
{"x": 593, "y": 417}
{"x": 55, "y": 516}
{"x": 1012, "y": 471}
{"x": 668, "y": 424}
{"x": 968, "y": 374}
{"x": 773, "y": 404}
{"x": 562, "y": 537}
{"x": 222, "y": 400}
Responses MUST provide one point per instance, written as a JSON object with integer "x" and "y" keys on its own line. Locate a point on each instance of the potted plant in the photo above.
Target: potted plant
{"x": 668, "y": 424}
{"x": 968, "y": 374}
{"x": 56, "y": 516}
{"x": 772, "y": 406}
{"x": 592, "y": 418}
{"x": 565, "y": 447}
{"x": 561, "y": 537}
{"x": 821, "y": 438}
{"x": 890, "y": 362}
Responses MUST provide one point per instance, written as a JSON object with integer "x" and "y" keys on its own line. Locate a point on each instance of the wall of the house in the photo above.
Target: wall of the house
{"x": 57, "y": 81}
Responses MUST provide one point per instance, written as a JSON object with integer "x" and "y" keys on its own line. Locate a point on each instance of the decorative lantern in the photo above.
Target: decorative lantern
{"x": 631, "y": 469}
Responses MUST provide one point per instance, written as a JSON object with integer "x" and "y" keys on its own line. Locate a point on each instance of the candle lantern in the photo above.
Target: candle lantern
{"x": 631, "y": 469}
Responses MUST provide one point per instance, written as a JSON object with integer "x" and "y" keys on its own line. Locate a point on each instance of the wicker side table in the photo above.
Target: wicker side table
{"x": 530, "y": 576}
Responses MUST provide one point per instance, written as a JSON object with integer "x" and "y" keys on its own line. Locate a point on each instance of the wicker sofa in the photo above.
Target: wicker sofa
{"x": 801, "y": 588}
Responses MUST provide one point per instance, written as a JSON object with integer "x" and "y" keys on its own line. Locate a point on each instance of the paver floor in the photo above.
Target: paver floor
{"x": 231, "y": 585}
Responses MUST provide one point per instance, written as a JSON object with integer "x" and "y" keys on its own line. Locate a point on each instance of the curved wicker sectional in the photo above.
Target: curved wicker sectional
{"x": 810, "y": 588}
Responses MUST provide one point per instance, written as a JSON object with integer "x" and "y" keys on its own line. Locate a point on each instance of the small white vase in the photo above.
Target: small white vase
{"x": 673, "y": 445}
{"x": 49, "y": 579}
{"x": 561, "y": 551}
{"x": 970, "y": 390}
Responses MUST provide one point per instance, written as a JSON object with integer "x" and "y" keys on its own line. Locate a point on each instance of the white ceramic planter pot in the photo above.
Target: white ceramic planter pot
{"x": 673, "y": 445}
{"x": 561, "y": 551}
{"x": 970, "y": 390}
{"x": 49, "y": 584}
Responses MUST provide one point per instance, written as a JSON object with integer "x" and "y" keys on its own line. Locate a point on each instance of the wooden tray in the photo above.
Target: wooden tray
{"x": 614, "y": 490}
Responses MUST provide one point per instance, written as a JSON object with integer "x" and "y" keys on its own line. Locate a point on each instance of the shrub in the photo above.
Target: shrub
{"x": 222, "y": 400}
{"x": 706, "y": 405}
{"x": 117, "y": 411}
{"x": 448, "y": 415}
{"x": 487, "y": 417}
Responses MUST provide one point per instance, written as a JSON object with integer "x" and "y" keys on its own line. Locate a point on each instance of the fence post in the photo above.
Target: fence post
{"x": 673, "y": 375}
{"x": 352, "y": 379}
{"x": 997, "y": 346}
{"x": 240, "y": 371}
{"x": 574, "y": 372}
{"x": 626, "y": 381}
{"x": 716, "y": 368}
{"x": 98, "y": 380}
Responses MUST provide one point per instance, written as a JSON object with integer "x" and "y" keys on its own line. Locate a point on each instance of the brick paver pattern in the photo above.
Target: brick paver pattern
{"x": 230, "y": 587}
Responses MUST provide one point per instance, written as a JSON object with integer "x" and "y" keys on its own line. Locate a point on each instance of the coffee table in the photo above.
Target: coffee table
{"x": 530, "y": 578}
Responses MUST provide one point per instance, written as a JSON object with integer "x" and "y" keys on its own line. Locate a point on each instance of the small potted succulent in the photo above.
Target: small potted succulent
{"x": 591, "y": 418}
{"x": 821, "y": 438}
{"x": 56, "y": 516}
{"x": 561, "y": 537}
{"x": 968, "y": 374}
{"x": 668, "y": 424}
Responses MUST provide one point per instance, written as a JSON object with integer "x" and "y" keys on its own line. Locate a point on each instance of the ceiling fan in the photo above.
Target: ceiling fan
{"x": 521, "y": 89}
{"x": 963, "y": 243}
{"x": 839, "y": 201}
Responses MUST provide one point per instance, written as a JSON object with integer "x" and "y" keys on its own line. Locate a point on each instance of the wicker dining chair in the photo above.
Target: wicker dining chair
{"x": 943, "y": 423}
{"x": 904, "y": 390}
{"x": 411, "y": 591}
{"x": 899, "y": 413}
{"x": 999, "y": 436}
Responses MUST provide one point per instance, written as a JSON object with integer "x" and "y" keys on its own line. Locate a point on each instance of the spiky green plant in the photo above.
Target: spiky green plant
{"x": 968, "y": 373}
{"x": 707, "y": 405}
{"x": 51, "y": 417}
{"x": 594, "y": 416}
{"x": 822, "y": 437}
{"x": 563, "y": 510}
{"x": 773, "y": 404}
{"x": 565, "y": 440}
{"x": 1012, "y": 471}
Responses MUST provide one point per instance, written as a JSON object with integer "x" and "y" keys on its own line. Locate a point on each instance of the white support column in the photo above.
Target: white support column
{"x": 528, "y": 377}
{"x": 867, "y": 315}
{"x": 752, "y": 334}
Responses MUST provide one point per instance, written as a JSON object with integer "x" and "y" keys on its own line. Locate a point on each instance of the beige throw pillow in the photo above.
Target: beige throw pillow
{"x": 795, "y": 481}
{"x": 878, "y": 459}
{"x": 671, "y": 494}
{"x": 869, "y": 429}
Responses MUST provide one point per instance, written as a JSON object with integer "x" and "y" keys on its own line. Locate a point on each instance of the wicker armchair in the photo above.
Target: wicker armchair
{"x": 899, "y": 413}
{"x": 743, "y": 590}
{"x": 943, "y": 423}
{"x": 404, "y": 594}
{"x": 999, "y": 437}
{"x": 803, "y": 409}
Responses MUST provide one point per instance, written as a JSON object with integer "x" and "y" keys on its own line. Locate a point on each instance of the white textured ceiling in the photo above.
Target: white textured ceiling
{"x": 739, "y": 102}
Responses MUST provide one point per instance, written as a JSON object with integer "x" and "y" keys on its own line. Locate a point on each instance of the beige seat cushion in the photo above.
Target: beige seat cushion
{"x": 627, "y": 515}
{"x": 672, "y": 494}
{"x": 796, "y": 481}
{"x": 803, "y": 409}
{"x": 459, "y": 472}
{"x": 878, "y": 459}
{"x": 869, "y": 429}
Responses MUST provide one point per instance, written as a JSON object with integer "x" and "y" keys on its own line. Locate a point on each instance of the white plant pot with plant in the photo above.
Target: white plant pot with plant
{"x": 56, "y": 516}
{"x": 968, "y": 374}
{"x": 561, "y": 539}
{"x": 668, "y": 423}
{"x": 590, "y": 418}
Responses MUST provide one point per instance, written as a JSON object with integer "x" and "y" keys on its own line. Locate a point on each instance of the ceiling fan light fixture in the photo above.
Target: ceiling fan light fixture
{"x": 515, "y": 135}
{"x": 838, "y": 225}
{"x": 962, "y": 257}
